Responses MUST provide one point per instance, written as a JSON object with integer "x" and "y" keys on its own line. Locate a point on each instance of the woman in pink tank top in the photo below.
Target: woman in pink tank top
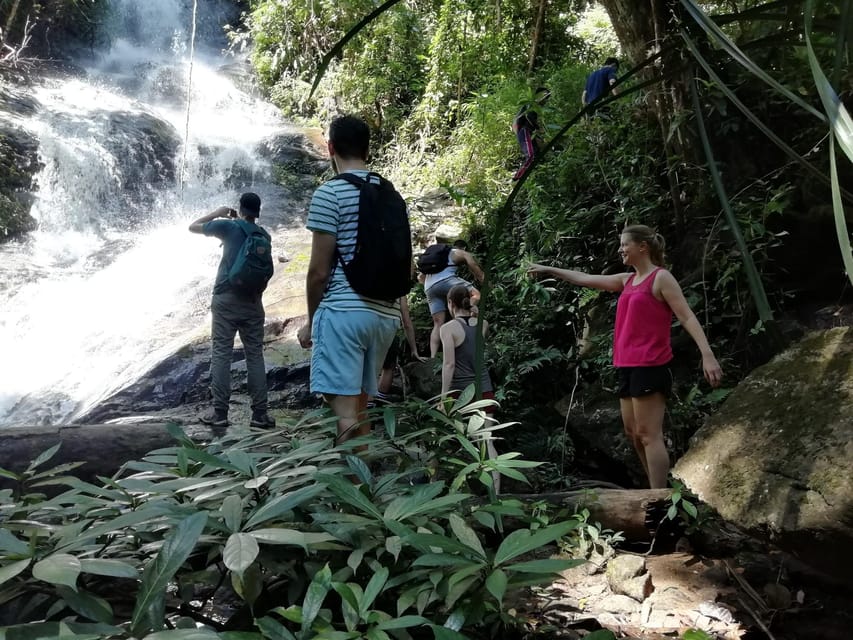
{"x": 649, "y": 297}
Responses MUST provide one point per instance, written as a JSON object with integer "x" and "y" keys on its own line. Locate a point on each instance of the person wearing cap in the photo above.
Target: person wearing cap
{"x": 232, "y": 312}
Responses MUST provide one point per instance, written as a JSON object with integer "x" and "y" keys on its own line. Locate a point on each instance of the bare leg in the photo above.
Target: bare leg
{"x": 627, "y": 407}
{"x": 347, "y": 409}
{"x": 648, "y": 415}
{"x": 386, "y": 378}
{"x": 434, "y": 337}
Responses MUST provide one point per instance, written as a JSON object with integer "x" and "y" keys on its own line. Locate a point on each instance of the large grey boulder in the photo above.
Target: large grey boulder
{"x": 777, "y": 458}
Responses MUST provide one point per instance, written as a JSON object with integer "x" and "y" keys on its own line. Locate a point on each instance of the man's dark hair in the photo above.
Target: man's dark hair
{"x": 613, "y": 61}
{"x": 350, "y": 137}
{"x": 250, "y": 205}
{"x": 460, "y": 244}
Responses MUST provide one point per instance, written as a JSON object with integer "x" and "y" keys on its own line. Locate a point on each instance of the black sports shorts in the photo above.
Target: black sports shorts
{"x": 393, "y": 355}
{"x": 635, "y": 382}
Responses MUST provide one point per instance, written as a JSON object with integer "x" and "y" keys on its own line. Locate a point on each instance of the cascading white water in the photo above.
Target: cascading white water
{"x": 112, "y": 280}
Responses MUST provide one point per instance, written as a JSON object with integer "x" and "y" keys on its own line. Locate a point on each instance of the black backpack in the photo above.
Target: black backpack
{"x": 434, "y": 259}
{"x": 381, "y": 266}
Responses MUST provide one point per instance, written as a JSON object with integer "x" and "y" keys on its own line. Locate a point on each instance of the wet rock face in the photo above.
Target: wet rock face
{"x": 146, "y": 146}
{"x": 292, "y": 153}
{"x": 777, "y": 457}
{"x": 19, "y": 164}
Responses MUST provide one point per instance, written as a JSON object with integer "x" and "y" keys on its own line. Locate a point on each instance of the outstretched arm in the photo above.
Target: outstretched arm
{"x": 197, "y": 226}
{"x": 671, "y": 292}
{"x": 579, "y": 278}
{"x": 460, "y": 257}
{"x": 319, "y": 271}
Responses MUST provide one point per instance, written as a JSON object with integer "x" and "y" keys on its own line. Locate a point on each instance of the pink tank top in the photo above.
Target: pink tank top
{"x": 642, "y": 334}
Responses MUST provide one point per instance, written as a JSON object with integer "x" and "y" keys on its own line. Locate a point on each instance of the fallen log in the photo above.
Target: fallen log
{"x": 635, "y": 512}
{"x": 104, "y": 448}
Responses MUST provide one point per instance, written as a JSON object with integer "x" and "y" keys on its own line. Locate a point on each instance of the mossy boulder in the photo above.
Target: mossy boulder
{"x": 777, "y": 457}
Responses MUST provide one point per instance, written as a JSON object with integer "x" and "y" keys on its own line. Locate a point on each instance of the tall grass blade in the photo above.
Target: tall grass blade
{"x": 841, "y": 129}
{"x": 711, "y": 28}
{"x": 759, "y": 296}
{"x": 790, "y": 152}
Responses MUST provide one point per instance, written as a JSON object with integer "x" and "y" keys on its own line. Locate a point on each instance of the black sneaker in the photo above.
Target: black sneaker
{"x": 263, "y": 420}
{"x": 214, "y": 418}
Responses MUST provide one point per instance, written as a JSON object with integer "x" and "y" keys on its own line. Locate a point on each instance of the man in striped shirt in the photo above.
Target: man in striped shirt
{"x": 349, "y": 333}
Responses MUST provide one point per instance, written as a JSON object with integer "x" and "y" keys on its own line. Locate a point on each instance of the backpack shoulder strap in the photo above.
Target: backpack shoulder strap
{"x": 353, "y": 179}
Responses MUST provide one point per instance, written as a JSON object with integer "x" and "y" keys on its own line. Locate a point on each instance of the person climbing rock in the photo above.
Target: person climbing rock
{"x": 599, "y": 82}
{"x": 641, "y": 341}
{"x": 236, "y": 306}
{"x": 528, "y": 130}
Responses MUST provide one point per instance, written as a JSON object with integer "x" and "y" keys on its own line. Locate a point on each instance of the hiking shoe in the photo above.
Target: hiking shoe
{"x": 263, "y": 420}
{"x": 214, "y": 418}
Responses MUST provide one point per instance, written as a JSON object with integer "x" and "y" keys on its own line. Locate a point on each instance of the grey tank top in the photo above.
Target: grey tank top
{"x": 464, "y": 373}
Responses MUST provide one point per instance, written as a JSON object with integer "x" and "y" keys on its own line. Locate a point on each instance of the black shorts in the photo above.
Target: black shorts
{"x": 635, "y": 382}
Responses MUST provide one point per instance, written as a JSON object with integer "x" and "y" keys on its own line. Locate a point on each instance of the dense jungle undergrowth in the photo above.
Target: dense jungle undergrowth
{"x": 757, "y": 255}
{"x": 265, "y": 535}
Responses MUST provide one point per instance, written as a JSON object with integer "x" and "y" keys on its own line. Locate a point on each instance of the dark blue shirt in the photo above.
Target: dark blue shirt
{"x": 598, "y": 83}
{"x": 232, "y": 237}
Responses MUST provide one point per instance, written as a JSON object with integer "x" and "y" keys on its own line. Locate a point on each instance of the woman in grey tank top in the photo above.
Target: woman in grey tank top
{"x": 458, "y": 339}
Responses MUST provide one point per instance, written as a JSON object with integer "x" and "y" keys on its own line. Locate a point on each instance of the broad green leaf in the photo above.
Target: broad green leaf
{"x": 696, "y": 634}
{"x": 113, "y": 568}
{"x": 390, "y": 420}
{"x": 44, "y": 456}
{"x": 273, "y": 629}
{"x": 375, "y": 633}
{"x": 403, "y": 622}
{"x": 211, "y": 460}
{"x": 394, "y": 545}
{"x": 59, "y": 568}
{"x": 373, "y": 589}
{"x": 256, "y": 483}
{"x": 240, "y": 551}
{"x": 249, "y": 584}
{"x": 242, "y": 460}
{"x": 10, "y": 475}
{"x": 346, "y": 594}
{"x": 442, "y": 633}
{"x": 460, "y": 589}
{"x": 360, "y": 469}
{"x": 87, "y": 605}
{"x": 553, "y": 565}
{"x": 426, "y": 541}
{"x": 496, "y": 585}
{"x": 282, "y": 504}
{"x": 522, "y": 541}
{"x": 9, "y": 571}
{"x": 466, "y": 535}
{"x": 185, "y": 634}
{"x": 355, "y": 558}
{"x": 314, "y": 597}
{"x": 442, "y": 560}
{"x": 302, "y": 539}
{"x": 689, "y": 508}
{"x": 10, "y": 545}
{"x": 349, "y": 494}
{"x": 150, "y": 601}
{"x": 292, "y": 613}
{"x": 232, "y": 512}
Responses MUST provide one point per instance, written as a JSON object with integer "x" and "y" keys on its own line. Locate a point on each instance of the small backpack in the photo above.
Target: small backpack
{"x": 253, "y": 266}
{"x": 381, "y": 267}
{"x": 434, "y": 259}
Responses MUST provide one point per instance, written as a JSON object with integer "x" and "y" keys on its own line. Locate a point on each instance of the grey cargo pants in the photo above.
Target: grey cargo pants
{"x": 234, "y": 314}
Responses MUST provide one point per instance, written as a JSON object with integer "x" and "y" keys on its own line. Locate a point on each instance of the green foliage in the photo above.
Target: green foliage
{"x": 686, "y": 508}
{"x": 277, "y": 521}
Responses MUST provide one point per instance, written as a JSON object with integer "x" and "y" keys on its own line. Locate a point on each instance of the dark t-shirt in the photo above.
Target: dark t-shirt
{"x": 232, "y": 237}
{"x": 598, "y": 83}
{"x": 526, "y": 118}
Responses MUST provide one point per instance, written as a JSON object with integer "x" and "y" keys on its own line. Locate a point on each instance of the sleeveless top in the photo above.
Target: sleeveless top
{"x": 448, "y": 272}
{"x": 642, "y": 334}
{"x": 464, "y": 373}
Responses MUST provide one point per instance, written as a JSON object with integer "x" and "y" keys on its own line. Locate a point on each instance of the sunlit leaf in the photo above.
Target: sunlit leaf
{"x": 59, "y": 568}
{"x": 240, "y": 551}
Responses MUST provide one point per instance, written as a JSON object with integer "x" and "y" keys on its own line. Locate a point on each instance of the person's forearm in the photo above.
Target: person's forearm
{"x": 569, "y": 275}
{"x": 409, "y": 330}
{"x": 447, "y": 372}
{"x": 692, "y": 327}
{"x": 221, "y": 212}
{"x": 315, "y": 286}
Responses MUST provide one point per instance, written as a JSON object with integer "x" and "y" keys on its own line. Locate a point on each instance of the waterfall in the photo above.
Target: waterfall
{"x": 112, "y": 280}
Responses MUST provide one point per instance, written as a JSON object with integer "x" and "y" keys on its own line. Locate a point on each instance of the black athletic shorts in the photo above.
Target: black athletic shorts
{"x": 635, "y": 382}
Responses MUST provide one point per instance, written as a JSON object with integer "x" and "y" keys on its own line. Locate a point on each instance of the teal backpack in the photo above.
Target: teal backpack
{"x": 253, "y": 267}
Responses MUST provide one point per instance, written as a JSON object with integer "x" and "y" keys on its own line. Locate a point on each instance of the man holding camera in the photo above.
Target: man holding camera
{"x": 235, "y": 308}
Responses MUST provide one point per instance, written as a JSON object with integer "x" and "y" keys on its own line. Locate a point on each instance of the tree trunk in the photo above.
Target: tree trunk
{"x": 645, "y": 27}
{"x": 537, "y": 36}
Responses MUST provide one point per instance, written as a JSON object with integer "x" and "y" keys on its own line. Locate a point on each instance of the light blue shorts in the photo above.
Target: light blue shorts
{"x": 437, "y": 293}
{"x": 349, "y": 347}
